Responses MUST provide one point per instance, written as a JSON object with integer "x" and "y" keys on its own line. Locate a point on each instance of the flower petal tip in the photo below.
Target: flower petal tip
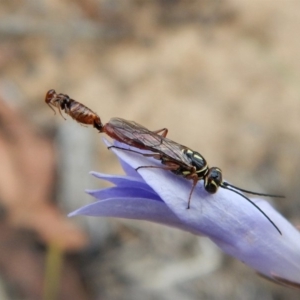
{"x": 72, "y": 214}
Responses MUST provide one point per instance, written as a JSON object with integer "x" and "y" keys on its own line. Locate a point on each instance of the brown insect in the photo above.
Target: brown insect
{"x": 175, "y": 157}
{"x": 74, "y": 109}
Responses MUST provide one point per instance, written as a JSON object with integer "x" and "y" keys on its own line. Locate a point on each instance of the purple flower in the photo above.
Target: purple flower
{"x": 236, "y": 226}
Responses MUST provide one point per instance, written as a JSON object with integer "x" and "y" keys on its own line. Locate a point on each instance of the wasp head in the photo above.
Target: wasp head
{"x": 213, "y": 180}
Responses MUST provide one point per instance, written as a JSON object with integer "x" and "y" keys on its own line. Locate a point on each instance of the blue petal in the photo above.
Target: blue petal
{"x": 239, "y": 228}
{"x": 132, "y": 208}
{"x": 121, "y": 180}
{"x": 123, "y": 192}
{"x": 233, "y": 223}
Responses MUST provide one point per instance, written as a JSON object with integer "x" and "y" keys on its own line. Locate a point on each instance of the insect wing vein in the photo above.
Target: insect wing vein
{"x": 149, "y": 140}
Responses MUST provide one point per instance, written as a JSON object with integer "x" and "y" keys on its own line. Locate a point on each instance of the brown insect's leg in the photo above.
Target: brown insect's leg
{"x": 51, "y": 108}
{"x": 163, "y": 131}
{"x": 59, "y": 109}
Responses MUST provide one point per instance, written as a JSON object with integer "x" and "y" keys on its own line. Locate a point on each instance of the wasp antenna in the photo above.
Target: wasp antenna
{"x": 228, "y": 188}
{"x": 226, "y": 184}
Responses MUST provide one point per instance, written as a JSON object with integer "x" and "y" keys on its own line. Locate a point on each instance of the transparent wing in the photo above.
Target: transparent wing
{"x": 143, "y": 138}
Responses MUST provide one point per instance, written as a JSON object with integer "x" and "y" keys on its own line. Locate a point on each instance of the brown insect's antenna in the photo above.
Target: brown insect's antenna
{"x": 228, "y": 186}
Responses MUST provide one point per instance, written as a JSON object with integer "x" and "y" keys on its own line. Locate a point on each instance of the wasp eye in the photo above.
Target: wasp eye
{"x": 213, "y": 180}
{"x": 211, "y": 187}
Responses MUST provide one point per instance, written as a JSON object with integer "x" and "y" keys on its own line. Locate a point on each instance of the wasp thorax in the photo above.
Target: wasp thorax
{"x": 196, "y": 159}
{"x": 213, "y": 180}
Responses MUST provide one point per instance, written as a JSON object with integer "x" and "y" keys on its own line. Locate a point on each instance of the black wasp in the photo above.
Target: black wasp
{"x": 175, "y": 157}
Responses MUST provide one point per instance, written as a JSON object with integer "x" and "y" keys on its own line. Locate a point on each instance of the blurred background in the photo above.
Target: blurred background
{"x": 222, "y": 76}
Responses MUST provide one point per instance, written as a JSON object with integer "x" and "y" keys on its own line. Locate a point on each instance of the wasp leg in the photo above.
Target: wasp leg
{"x": 193, "y": 176}
{"x": 163, "y": 131}
{"x": 154, "y": 155}
{"x": 168, "y": 167}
